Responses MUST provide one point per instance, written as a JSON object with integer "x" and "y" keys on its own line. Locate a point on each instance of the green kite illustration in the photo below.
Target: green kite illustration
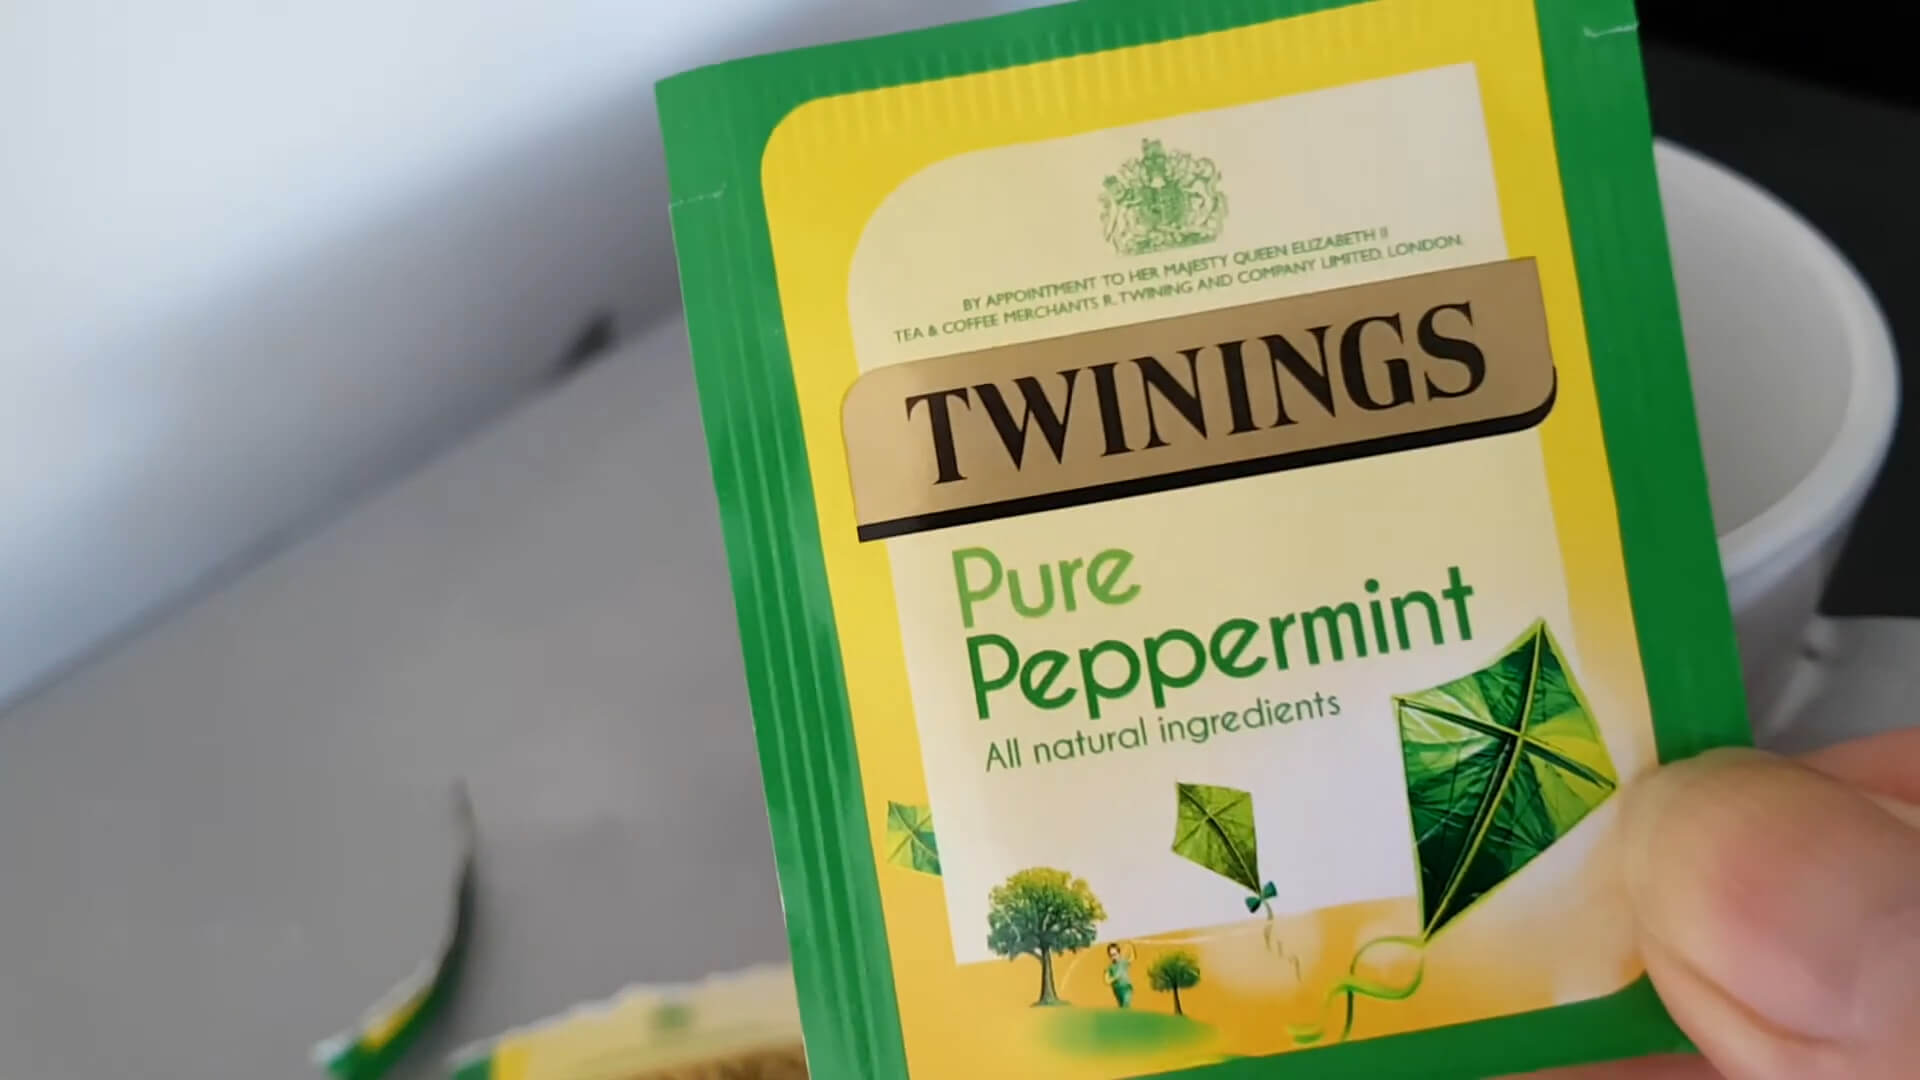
{"x": 1213, "y": 828}
{"x": 1500, "y": 764}
{"x": 910, "y": 840}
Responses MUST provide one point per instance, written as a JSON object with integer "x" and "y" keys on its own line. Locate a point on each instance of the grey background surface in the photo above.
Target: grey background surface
{"x": 228, "y": 838}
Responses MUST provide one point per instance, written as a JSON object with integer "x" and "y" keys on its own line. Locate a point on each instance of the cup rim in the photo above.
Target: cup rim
{"x": 1756, "y": 554}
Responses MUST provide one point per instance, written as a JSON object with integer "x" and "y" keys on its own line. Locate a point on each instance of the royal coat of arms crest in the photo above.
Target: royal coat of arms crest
{"x": 1162, "y": 199}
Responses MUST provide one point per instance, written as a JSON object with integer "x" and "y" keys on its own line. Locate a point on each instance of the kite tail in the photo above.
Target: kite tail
{"x": 1353, "y": 987}
{"x": 1276, "y": 946}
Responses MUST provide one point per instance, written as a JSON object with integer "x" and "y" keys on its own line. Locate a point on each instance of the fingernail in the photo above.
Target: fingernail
{"x": 1797, "y": 896}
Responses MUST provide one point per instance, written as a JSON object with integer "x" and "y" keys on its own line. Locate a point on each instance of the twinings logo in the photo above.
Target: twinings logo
{"x": 1197, "y": 399}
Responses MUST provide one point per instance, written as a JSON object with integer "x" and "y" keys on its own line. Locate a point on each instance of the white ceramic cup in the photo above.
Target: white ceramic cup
{"x": 1797, "y": 390}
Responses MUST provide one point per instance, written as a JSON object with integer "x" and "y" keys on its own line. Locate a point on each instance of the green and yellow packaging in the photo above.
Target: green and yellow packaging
{"x": 395, "y": 1024}
{"x": 1216, "y": 516}
{"x": 736, "y": 1025}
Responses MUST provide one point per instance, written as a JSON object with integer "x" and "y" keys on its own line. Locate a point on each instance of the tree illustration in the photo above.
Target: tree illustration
{"x": 1042, "y": 912}
{"x": 1175, "y": 971}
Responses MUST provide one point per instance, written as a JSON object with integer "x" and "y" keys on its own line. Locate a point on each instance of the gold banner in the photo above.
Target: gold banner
{"x": 1197, "y": 399}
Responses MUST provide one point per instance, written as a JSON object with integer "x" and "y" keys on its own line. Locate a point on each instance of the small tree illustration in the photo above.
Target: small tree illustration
{"x": 1041, "y": 913}
{"x": 1175, "y": 971}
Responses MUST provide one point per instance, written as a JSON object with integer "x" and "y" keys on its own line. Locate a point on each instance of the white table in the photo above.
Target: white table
{"x": 224, "y": 840}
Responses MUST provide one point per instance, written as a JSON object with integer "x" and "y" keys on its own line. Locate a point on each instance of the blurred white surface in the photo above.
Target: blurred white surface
{"x": 259, "y": 256}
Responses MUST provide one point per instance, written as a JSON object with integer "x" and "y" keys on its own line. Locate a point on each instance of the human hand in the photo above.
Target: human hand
{"x": 1778, "y": 909}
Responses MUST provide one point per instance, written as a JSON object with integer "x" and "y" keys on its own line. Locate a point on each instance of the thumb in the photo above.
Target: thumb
{"x": 1779, "y": 913}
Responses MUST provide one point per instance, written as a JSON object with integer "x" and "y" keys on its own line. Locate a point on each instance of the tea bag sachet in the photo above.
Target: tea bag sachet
{"x": 1216, "y": 519}
{"x": 390, "y": 1028}
{"x": 734, "y": 1026}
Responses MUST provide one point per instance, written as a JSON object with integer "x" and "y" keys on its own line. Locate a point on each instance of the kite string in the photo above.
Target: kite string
{"x": 1134, "y": 943}
{"x": 1278, "y": 948}
{"x": 1354, "y": 987}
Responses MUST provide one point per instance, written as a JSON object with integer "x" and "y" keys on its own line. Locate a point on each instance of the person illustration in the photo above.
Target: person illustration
{"x": 1119, "y": 979}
